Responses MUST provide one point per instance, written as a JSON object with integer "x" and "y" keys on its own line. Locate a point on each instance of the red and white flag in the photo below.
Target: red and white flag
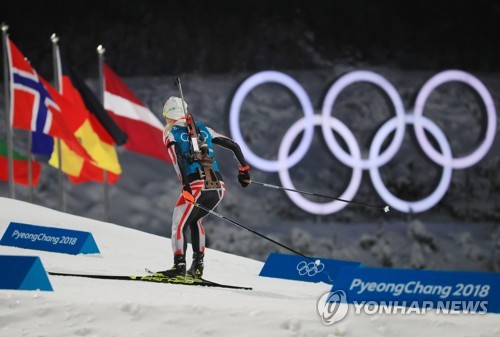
{"x": 144, "y": 130}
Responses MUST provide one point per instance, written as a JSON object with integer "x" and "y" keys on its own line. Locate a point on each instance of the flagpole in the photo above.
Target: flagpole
{"x": 55, "y": 52}
{"x": 30, "y": 168}
{"x": 100, "y": 52}
{"x": 10, "y": 163}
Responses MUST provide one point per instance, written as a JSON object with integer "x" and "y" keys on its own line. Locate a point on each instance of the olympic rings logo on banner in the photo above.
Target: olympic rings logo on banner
{"x": 353, "y": 158}
{"x": 309, "y": 269}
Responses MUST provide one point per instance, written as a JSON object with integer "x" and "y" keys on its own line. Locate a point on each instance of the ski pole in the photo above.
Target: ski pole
{"x": 383, "y": 208}
{"x": 317, "y": 262}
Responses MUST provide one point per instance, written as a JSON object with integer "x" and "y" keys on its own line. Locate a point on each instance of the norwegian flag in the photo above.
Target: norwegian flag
{"x": 36, "y": 106}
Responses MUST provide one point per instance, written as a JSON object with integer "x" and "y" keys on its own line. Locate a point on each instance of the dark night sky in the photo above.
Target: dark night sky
{"x": 168, "y": 37}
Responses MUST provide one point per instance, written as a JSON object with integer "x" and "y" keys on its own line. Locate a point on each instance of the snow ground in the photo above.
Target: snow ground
{"x": 89, "y": 307}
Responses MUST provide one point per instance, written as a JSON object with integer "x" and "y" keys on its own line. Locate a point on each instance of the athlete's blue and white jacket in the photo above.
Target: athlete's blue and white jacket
{"x": 178, "y": 147}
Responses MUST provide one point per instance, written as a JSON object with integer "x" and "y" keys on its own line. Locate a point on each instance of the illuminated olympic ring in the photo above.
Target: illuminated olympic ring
{"x": 309, "y": 269}
{"x": 375, "y": 159}
{"x": 234, "y": 118}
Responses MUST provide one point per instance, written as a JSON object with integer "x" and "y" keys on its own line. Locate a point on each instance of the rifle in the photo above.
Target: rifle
{"x": 199, "y": 151}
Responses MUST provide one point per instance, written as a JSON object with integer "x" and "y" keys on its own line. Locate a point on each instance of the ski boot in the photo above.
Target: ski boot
{"x": 179, "y": 268}
{"x": 196, "y": 269}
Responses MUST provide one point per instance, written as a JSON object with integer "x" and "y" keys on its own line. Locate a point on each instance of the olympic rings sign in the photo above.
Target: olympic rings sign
{"x": 375, "y": 159}
{"x": 309, "y": 269}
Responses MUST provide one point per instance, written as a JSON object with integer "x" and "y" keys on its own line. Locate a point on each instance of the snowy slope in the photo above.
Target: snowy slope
{"x": 87, "y": 307}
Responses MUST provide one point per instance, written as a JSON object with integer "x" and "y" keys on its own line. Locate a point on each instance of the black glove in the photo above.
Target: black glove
{"x": 244, "y": 176}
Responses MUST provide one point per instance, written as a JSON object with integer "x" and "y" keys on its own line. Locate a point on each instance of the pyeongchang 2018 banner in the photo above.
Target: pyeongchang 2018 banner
{"x": 448, "y": 291}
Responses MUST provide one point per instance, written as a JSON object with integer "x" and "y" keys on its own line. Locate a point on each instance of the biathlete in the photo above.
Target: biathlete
{"x": 201, "y": 183}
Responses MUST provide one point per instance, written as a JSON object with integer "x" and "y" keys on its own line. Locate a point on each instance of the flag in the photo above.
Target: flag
{"x": 101, "y": 121}
{"x": 93, "y": 132}
{"x": 36, "y": 106}
{"x": 20, "y": 164}
{"x": 144, "y": 130}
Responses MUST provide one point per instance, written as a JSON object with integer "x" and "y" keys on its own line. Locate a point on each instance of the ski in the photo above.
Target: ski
{"x": 186, "y": 280}
{"x": 150, "y": 272}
